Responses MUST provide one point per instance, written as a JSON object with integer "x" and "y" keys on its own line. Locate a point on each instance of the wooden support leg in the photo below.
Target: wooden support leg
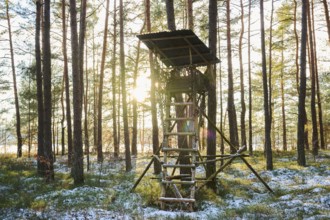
{"x": 257, "y": 175}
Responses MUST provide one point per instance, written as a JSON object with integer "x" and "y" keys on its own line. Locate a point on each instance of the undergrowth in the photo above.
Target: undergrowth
{"x": 107, "y": 187}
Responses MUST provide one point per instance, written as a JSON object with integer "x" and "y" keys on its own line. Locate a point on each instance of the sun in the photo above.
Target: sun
{"x": 141, "y": 91}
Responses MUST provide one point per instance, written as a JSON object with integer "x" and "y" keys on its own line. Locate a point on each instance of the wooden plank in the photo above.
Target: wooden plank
{"x": 257, "y": 175}
{"x": 179, "y": 165}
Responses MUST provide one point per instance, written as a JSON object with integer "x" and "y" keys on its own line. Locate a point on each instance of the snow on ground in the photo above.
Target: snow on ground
{"x": 299, "y": 194}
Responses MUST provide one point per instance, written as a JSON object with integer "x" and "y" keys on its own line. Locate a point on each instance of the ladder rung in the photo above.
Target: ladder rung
{"x": 178, "y": 176}
{"x": 180, "y": 103}
{"x": 169, "y": 199}
{"x": 180, "y": 119}
{"x": 178, "y": 182}
{"x": 180, "y": 165}
{"x": 181, "y": 133}
{"x": 179, "y": 149}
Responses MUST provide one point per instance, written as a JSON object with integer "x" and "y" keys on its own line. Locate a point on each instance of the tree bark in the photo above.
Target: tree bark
{"x": 231, "y": 105}
{"x": 268, "y": 149}
{"x": 77, "y": 171}
{"x": 315, "y": 140}
{"x": 95, "y": 86}
{"x": 222, "y": 144}
{"x": 170, "y": 15}
{"x": 47, "y": 81}
{"x": 100, "y": 102}
{"x": 302, "y": 89}
{"x": 62, "y": 119}
{"x": 243, "y": 131}
{"x": 40, "y": 165}
{"x": 270, "y": 67}
{"x": 135, "y": 111}
{"x": 327, "y": 18}
{"x": 297, "y": 44}
{"x": 250, "y": 81}
{"x": 67, "y": 84}
{"x": 212, "y": 100}
{"x": 155, "y": 131}
{"x": 113, "y": 82}
{"x": 190, "y": 15}
{"x": 86, "y": 137}
{"x": 82, "y": 30}
{"x": 17, "y": 109}
{"x": 318, "y": 94}
{"x": 123, "y": 86}
{"x": 285, "y": 145}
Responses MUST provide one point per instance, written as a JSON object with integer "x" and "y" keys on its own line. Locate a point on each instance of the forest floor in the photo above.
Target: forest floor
{"x": 300, "y": 192}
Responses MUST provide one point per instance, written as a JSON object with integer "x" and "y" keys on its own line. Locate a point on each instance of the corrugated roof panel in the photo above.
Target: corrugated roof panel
{"x": 179, "y": 48}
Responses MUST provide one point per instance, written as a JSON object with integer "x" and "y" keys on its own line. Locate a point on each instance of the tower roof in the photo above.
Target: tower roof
{"x": 179, "y": 48}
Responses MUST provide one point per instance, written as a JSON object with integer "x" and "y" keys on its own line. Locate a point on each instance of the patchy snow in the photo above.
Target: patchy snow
{"x": 302, "y": 193}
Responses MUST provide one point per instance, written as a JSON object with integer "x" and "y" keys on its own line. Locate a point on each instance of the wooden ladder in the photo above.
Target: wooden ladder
{"x": 178, "y": 183}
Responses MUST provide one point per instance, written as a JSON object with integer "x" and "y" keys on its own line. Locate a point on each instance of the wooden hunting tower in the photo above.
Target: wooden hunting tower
{"x": 185, "y": 90}
{"x": 182, "y": 51}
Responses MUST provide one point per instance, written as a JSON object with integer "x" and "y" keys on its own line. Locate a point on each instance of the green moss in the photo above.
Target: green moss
{"x": 39, "y": 205}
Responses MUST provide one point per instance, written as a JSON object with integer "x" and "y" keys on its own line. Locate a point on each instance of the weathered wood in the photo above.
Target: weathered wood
{"x": 257, "y": 175}
{"x": 179, "y": 165}
{"x": 216, "y": 173}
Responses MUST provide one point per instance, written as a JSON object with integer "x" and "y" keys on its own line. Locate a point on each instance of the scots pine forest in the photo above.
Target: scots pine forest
{"x": 164, "y": 109}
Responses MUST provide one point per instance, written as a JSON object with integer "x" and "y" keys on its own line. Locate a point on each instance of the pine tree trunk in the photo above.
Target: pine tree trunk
{"x": 113, "y": 82}
{"x": 123, "y": 86}
{"x": 95, "y": 110}
{"x": 318, "y": 94}
{"x": 135, "y": 112}
{"x": 297, "y": 44}
{"x": 302, "y": 89}
{"x": 17, "y": 109}
{"x": 40, "y": 165}
{"x": 327, "y": 18}
{"x": 67, "y": 84}
{"x": 47, "y": 80}
{"x": 243, "y": 131}
{"x": 81, "y": 42}
{"x": 315, "y": 140}
{"x": 212, "y": 100}
{"x": 100, "y": 102}
{"x": 86, "y": 138}
{"x": 155, "y": 134}
{"x": 268, "y": 149}
{"x": 170, "y": 15}
{"x": 29, "y": 121}
{"x": 285, "y": 145}
{"x": 190, "y": 15}
{"x": 222, "y": 144}
{"x": 62, "y": 119}
{"x": 231, "y": 105}
{"x": 250, "y": 81}
{"x": 270, "y": 67}
{"x": 77, "y": 171}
